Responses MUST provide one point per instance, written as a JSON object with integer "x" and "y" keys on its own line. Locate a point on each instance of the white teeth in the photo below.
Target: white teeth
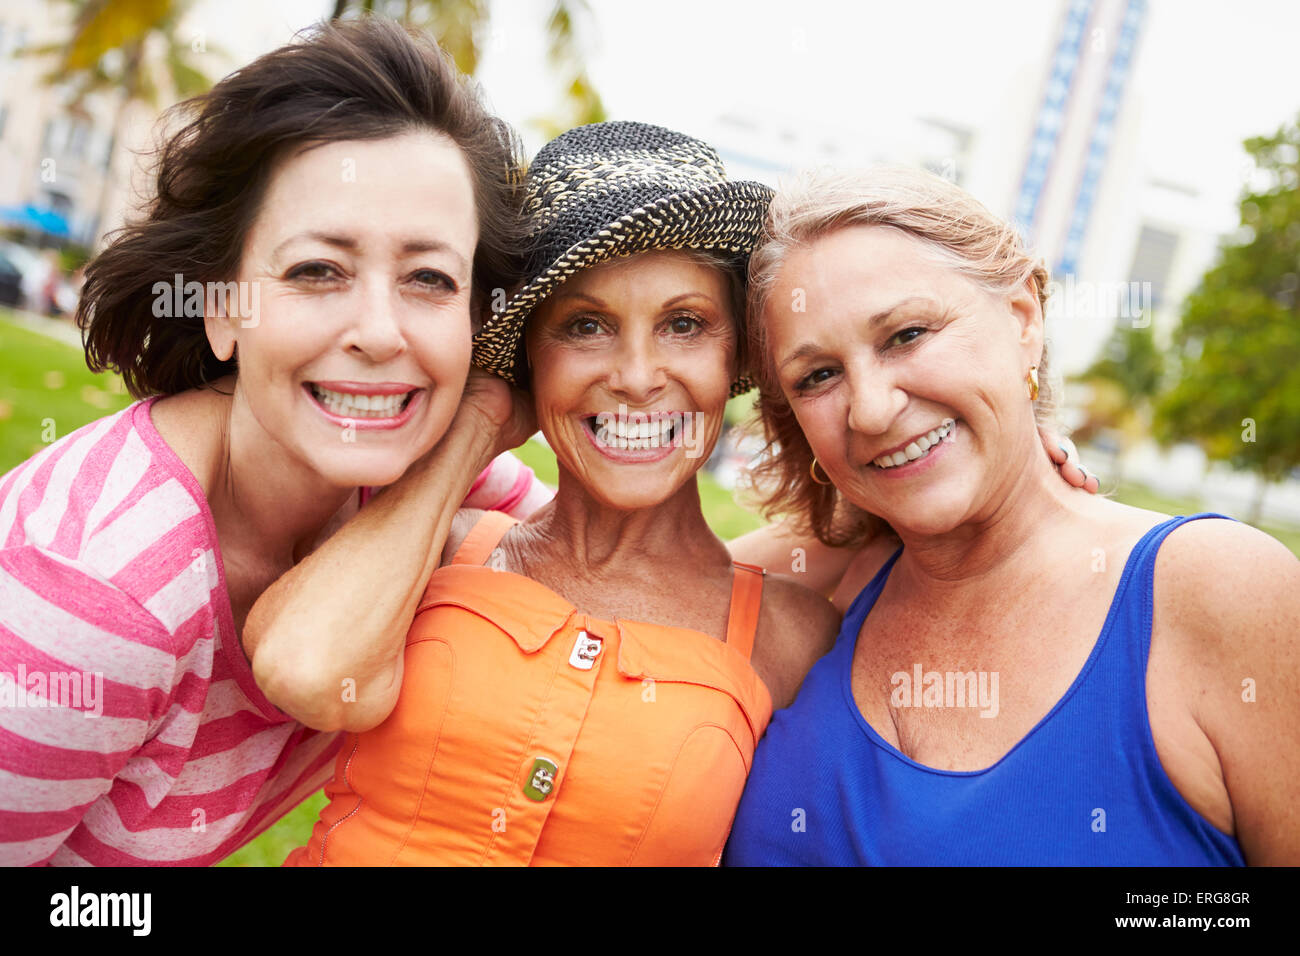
{"x": 347, "y": 404}
{"x": 617, "y": 432}
{"x": 639, "y": 430}
{"x": 916, "y": 449}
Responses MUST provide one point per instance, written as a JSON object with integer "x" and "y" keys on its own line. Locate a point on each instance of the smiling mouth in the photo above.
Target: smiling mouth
{"x": 355, "y": 405}
{"x": 918, "y": 448}
{"x": 658, "y": 432}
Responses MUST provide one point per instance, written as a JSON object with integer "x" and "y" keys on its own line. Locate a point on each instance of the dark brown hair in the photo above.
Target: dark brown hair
{"x": 347, "y": 80}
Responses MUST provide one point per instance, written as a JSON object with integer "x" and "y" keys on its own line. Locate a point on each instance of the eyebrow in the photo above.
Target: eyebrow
{"x": 568, "y": 294}
{"x": 666, "y": 305}
{"x": 347, "y": 242}
{"x": 812, "y": 348}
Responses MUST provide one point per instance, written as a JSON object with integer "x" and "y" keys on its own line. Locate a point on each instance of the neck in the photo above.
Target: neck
{"x": 596, "y": 538}
{"x": 259, "y": 492}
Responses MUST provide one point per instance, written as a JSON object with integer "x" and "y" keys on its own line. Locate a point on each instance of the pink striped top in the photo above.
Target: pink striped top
{"x": 131, "y": 730}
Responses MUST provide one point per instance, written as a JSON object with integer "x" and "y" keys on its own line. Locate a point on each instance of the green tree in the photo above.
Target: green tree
{"x": 461, "y": 27}
{"x": 130, "y": 48}
{"x": 1125, "y": 381}
{"x": 1238, "y": 345}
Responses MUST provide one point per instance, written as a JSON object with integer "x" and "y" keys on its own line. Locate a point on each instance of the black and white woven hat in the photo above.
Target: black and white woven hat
{"x": 615, "y": 189}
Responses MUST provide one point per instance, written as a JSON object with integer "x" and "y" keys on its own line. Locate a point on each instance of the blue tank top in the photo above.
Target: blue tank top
{"x": 1083, "y": 787}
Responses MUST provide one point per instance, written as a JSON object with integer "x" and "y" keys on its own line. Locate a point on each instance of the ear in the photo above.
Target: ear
{"x": 219, "y": 326}
{"x": 1028, "y": 314}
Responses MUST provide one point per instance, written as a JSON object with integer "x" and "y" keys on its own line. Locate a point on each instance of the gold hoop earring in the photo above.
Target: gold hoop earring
{"x": 1033, "y": 383}
{"x": 812, "y": 471}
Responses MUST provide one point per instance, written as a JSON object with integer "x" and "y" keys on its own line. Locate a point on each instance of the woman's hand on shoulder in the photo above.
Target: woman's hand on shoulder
{"x": 796, "y": 628}
{"x": 1066, "y": 458}
{"x": 1232, "y": 600}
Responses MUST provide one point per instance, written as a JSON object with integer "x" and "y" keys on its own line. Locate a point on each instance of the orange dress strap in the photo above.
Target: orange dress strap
{"x": 483, "y": 538}
{"x": 746, "y": 598}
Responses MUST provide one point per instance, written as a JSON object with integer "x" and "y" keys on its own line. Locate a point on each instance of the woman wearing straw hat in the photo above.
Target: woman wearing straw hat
{"x": 588, "y": 686}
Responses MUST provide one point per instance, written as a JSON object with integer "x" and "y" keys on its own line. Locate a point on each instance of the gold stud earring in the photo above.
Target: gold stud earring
{"x": 1033, "y": 383}
{"x": 812, "y": 471}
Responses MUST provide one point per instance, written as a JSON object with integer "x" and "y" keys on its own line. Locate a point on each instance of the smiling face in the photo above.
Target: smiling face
{"x": 632, "y": 361}
{"x": 359, "y": 264}
{"x": 907, "y": 378}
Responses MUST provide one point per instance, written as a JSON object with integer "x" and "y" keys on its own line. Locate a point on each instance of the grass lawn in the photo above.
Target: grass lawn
{"x": 46, "y": 391}
{"x": 1142, "y": 497}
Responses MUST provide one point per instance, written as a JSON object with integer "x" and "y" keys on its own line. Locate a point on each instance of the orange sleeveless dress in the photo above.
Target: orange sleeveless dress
{"x": 528, "y": 733}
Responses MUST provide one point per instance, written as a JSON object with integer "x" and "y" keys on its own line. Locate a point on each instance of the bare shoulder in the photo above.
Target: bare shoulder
{"x": 1227, "y": 600}
{"x": 192, "y": 423}
{"x": 864, "y": 566}
{"x": 461, "y": 525}
{"x": 1227, "y": 581}
{"x": 796, "y": 627}
{"x": 1227, "y": 612}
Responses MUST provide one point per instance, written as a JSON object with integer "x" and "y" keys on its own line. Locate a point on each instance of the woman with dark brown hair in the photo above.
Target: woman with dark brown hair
{"x": 295, "y": 310}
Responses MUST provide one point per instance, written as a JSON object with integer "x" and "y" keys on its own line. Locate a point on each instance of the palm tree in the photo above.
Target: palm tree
{"x": 132, "y": 48}
{"x": 584, "y": 101}
{"x": 460, "y": 26}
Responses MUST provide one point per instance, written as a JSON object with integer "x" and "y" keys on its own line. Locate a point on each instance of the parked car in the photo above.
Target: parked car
{"x": 35, "y": 268}
{"x": 11, "y": 282}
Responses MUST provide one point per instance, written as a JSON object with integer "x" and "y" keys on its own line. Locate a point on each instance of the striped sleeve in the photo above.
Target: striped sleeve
{"x": 86, "y": 673}
{"x": 510, "y": 486}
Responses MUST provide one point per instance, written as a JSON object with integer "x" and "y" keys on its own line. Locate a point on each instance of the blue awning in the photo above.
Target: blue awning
{"x": 42, "y": 220}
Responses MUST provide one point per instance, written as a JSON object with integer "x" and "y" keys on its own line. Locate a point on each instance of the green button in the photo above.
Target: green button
{"x": 541, "y": 779}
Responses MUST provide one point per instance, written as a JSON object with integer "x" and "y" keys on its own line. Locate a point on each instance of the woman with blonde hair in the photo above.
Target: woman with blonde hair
{"x": 1026, "y": 676}
{"x": 587, "y": 686}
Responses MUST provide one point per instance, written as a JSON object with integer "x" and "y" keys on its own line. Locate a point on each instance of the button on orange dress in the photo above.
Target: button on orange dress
{"x": 529, "y": 733}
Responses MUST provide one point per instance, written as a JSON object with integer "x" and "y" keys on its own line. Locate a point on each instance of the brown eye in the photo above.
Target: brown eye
{"x": 434, "y": 279}
{"x": 683, "y": 324}
{"x": 813, "y": 379}
{"x": 312, "y": 271}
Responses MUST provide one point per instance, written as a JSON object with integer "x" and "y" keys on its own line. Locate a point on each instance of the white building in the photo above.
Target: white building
{"x": 81, "y": 161}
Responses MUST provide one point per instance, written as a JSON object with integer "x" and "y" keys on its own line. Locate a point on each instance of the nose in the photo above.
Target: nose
{"x": 639, "y": 373}
{"x": 375, "y": 330}
{"x": 875, "y": 398}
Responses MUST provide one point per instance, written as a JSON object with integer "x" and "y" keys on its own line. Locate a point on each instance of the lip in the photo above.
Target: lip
{"x": 368, "y": 388}
{"x": 903, "y": 446}
{"x": 629, "y": 456}
{"x": 920, "y": 465}
{"x": 650, "y": 416}
{"x": 368, "y": 424}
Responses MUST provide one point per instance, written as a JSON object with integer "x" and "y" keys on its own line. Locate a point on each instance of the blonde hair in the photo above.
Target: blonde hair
{"x": 953, "y": 228}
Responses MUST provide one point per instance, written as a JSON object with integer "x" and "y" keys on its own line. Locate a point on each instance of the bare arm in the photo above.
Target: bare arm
{"x": 1233, "y": 605}
{"x": 796, "y": 628}
{"x": 326, "y": 639}
{"x": 783, "y": 550}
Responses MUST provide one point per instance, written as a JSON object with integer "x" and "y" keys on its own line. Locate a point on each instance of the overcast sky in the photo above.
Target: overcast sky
{"x": 1208, "y": 74}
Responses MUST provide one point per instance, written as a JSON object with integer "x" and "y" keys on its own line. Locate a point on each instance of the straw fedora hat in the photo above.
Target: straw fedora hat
{"x": 614, "y": 189}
